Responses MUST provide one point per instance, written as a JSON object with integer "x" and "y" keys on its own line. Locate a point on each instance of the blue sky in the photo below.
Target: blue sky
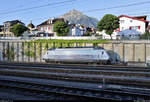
{"x": 14, "y": 9}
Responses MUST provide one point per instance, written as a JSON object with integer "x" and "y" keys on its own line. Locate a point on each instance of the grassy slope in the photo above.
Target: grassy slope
{"x": 70, "y": 41}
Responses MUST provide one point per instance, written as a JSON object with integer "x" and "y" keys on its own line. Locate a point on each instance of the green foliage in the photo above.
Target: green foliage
{"x": 43, "y": 45}
{"x": 29, "y": 53}
{"x": 69, "y": 41}
{"x": 18, "y": 29}
{"x": 146, "y": 35}
{"x": 88, "y": 34}
{"x": 108, "y": 23}
{"x": 97, "y": 34}
{"x": 10, "y": 53}
{"x": 61, "y": 28}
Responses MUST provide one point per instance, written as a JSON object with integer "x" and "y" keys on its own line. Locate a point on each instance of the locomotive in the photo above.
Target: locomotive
{"x": 78, "y": 55}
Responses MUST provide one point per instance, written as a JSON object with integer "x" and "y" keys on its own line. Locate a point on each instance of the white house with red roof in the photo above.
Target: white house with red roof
{"x": 139, "y": 23}
{"x": 129, "y": 27}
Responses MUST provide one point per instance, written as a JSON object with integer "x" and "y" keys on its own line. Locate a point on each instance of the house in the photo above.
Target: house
{"x": 7, "y": 26}
{"x": 1, "y": 28}
{"x": 77, "y": 30}
{"x": 47, "y": 26}
{"x": 132, "y": 27}
{"x": 90, "y": 29}
{"x": 138, "y": 23}
{"x": 129, "y": 27}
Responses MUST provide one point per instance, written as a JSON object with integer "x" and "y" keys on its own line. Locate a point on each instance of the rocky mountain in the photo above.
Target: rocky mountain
{"x": 76, "y": 17}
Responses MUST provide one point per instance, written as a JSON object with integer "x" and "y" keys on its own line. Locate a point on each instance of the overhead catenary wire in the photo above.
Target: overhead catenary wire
{"x": 28, "y": 12}
{"x": 67, "y": 1}
{"x": 119, "y": 6}
{"x": 35, "y": 7}
{"x": 19, "y": 6}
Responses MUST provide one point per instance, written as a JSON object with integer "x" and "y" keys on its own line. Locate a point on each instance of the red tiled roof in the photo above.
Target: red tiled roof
{"x": 133, "y": 18}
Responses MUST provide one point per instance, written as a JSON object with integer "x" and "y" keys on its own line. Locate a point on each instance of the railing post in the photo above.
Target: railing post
{"x": 28, "y": 51}
{"x": 23, "y": 51}
{"x": 84, "y": 44}
{"x": 76, "y": 44}
{"x": 123, "y": 52}
{"x": 133, "y": 52}
{"x": 113, "y": 52}
{"x": 103, "y": 45}
{"x": 54, "y": 45}
{"x": 4, "y": 52}
{"x": 94, "y": 44}
{"x": 145, "y": 53}
{"x": 13, "y": 49}
{"x": 40, "y": 51}
{"x": 17, "y": 51}
{"x": 68, "y": 45}
{"x": 47, "y": 46}
{"x": 61, "y": 45}
{"x": 8, "y": 51}
{"x": 34, "y": 51}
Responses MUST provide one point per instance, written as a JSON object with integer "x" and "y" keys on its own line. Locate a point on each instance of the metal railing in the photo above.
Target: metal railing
{"x": 30, "y": 52}
{"x": 34, "y": 51}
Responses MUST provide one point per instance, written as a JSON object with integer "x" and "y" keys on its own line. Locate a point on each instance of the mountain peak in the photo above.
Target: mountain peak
{"x": 76, "y": 17}
{"x": 74, "y": 11}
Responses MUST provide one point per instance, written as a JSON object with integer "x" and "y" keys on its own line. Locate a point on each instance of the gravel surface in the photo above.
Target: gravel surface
{"x": 7, "y": 94}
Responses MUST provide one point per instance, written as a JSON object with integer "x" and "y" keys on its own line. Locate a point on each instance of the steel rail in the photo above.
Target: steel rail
{"x": 76, "y": 67}
{"x": 68, "y": 65}
{"x": 71, "y": 91}
{"x": 129, "y": 81}
{"x": 81, "y": 71}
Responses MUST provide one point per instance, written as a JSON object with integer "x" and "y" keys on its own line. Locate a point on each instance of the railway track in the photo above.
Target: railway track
{"x": 123, "y": 84}
{"x": 44, "y": 90}
{"x": 112, "y": 78}
{"x": 76, "y": 66}
{"x": 141, "y": 73}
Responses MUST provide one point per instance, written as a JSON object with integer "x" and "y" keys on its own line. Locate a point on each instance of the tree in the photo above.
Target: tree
{"x": 18, "y": 29}
{"x": 87, "y": 34}
{"x": 108, "y": 23}
{"x": 146, "y": 35}
{"x": 61, "y": 28}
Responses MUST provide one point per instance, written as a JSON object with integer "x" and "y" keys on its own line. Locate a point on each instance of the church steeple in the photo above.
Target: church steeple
{"x": 31, "y": 25}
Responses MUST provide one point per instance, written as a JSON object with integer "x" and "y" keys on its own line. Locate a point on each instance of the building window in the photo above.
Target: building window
{"x": 136, "y": 27}
{"x": 121, "y": 21}
{"x": 132, "y": 27}
{"x": 46, "y": 28}
{"x": 6, "y": 25}
{"x": 41, "y": 28}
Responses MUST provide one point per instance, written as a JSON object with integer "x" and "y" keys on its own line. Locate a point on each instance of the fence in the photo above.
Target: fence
{"x": 29, "y": 52}
{"x": 33, "y": 52}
